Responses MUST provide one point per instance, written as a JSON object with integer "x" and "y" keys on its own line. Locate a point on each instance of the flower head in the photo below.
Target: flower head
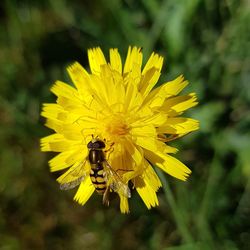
{"x": 120, "y": 107}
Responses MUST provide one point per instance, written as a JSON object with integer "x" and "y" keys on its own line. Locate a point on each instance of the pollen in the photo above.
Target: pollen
{"x": 116, "y": 127}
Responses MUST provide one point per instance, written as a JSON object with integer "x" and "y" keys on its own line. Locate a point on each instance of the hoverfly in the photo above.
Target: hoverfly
{"x": 102, "y": 175}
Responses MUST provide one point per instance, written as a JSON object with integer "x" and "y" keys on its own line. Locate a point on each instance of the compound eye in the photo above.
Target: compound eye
{"x": 90, "y": 144}
{"x": 101, "y": 144}
{"x": 96, "y": 145}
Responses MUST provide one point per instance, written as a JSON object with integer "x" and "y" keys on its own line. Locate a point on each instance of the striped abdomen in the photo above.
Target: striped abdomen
{"x": 97, "y": 177}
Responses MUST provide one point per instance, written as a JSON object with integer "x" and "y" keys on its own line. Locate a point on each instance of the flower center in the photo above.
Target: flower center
{"x": 117, "y": 127}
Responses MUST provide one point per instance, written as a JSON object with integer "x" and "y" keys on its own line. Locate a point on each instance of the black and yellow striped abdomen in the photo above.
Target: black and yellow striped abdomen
{"x": 97, "y": 177}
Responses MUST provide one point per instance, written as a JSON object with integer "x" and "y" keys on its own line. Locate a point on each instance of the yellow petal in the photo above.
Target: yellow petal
{"x": 179, "y": 125}
{"x": 122, "y": 162}
{"x": 44, "y": 142}
{"x": 71, "y": 131}
{"x": 133, "y": 98}
{"x": 157, "y": 97}
{"x": 78, "y": 155}
{"x": 163, "y": 147}
{"x": 155, "y": 61}
{"x": 124, "y": 207}
{"x": 84, "y": 191}
{"x": 60, "y": 146}
{"x": 119, "y": 159}
{"x": 59, "y": 161}
{"x": 51, "y": 110}
{"x": 57, "y": 143}
{"x": 151, "y": 74}
{"x": 111, "y": 83}
{"x": 168, "y": 164}
{"x": 54, "y": 124}
{"x": 148, "y": 81}
{"x": 100, "y": 91}
{"x": 174, "y": 87}
{"x": 134, "y": 57}
{"x": 146, "y": 142}
{"x": 96, "y": 60}
{"x": 151, "y": 177}
{"x": 68, "y": 103}
{"x": 81, "y": 80}
{"x": 135, "y": 152}
{"x": 62, "y": 89}
{"x": 146, "y": 192}
{"x": 67, "y": 159}
{"x": 115, "y": 60}
{"x": 176, "y": 105}
{"x": 152, "y": 119}
{"x": 144, "y": 136}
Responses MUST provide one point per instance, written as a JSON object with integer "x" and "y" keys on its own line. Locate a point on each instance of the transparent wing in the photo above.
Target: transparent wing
{"x": 73, "y": 177}
{"x": 115, "y": 182}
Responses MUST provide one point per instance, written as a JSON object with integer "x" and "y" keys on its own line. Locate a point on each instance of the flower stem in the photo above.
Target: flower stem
{"x": 178, "y": 216}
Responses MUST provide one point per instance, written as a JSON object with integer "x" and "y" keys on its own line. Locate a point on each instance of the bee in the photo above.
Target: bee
{"x": 102, "y": 175}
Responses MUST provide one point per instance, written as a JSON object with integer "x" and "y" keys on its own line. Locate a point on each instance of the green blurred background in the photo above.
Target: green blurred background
{"x": 209, "y": 42}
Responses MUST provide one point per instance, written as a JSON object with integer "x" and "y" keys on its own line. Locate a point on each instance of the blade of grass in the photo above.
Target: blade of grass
{"x": 179, "y": 219}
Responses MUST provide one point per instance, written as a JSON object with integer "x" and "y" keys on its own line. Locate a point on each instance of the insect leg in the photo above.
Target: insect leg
{"x": 105, "y": 199}
{"x": 110, "y": 150}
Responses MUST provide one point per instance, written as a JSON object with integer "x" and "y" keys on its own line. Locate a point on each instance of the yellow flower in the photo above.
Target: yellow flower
{"x": 120, "y": 107}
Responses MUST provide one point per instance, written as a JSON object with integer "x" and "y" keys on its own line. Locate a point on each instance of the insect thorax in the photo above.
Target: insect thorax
{"x": 96, "y": 156}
